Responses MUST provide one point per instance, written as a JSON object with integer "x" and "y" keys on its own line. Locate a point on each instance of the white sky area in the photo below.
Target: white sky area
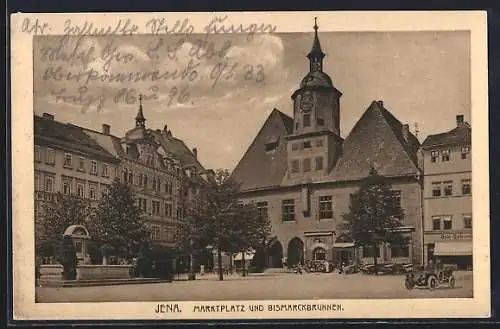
{"x": 422, "y": 77}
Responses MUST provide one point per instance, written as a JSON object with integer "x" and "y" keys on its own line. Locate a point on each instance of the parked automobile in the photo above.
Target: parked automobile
{"x": 430, "y": 277}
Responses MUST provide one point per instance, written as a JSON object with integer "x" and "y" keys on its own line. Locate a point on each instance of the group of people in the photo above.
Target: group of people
{"x": 316, "y": 266}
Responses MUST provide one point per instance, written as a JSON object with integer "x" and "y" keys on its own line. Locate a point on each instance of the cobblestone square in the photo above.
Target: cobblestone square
{"x": 283, "y": 286}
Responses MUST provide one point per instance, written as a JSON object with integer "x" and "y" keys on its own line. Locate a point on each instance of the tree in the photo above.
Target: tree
{"x": 119, "y": 222}
{"x": 57, "y": 215}
{"x": 373, "y": 216}
{"x": 217, "y": 218}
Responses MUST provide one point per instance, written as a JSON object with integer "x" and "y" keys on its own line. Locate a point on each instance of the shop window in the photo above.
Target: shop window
{"x": 370, "y": 251}
{"x": 319, "y": 254}
{"x": 466, "y": 187}
{"x": 400, "y": 251}
{"x": 436, "y": 189}
{"x": 467, "y": 221}
{"x": 448, "y": 188}
{"x": 307, "y": 165}
{"x": 288, "y": 210}
{"x": 325, "y": 207}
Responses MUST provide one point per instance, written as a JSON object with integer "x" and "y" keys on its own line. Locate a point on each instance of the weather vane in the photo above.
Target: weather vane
{"x": 315, "y": 23}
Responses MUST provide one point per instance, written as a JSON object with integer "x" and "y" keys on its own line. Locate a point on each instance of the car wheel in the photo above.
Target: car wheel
{"x": 408, "y": 284}
{"x": 451, "y": 282}
{"x": 432, "y": 282}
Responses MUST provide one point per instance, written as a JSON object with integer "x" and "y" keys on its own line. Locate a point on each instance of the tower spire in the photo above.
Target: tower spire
{"x": 140, "y": 121}
{"x": 316, "y": 55}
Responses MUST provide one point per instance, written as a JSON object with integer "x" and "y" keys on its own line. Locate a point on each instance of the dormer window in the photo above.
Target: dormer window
{"x": 445, "y": 155}
{"x": 465, "y": 152}
{"x": 272, "y": 144}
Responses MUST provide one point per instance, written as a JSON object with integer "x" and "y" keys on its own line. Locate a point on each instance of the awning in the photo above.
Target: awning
{"x": 462, "y": 248}
{"x": 343, "y": 245}
{"x": 248, "y": 256}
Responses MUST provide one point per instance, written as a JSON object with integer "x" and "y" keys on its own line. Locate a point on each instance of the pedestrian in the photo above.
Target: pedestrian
{"x": 341, "y": 268}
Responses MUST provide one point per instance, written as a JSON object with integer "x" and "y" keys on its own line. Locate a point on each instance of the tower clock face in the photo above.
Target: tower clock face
{"x": 306, "y": 102}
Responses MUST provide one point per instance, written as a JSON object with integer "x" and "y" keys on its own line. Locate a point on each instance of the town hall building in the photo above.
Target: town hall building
{"x": 300, "y": 172}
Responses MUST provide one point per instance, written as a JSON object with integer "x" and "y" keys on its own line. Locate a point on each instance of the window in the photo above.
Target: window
{"x": 447, "y": 223}
{"x": 49, "y": 184}
{"x": 295, "y": 147}
{"x": 38, "y": 182}
{"x": 38, "y": 209}
{"x": 467, "y": 221}
{"x": 307, "y": 165}
{"x": 104, "y": 191}
{"x": 125, "y": 175}
{"x": 80, "y": 190}
{"x": 131, "y": 177}
{"x": 50, "y": 156}
{"x": 448, "y": 188}
{"x": 465, "y": 152}
{"x": 445, "y": 155}
{"x": 325, "y": 207}
{"x": 436, "y": 223}
{"x": 168, "y": 233}
{"x": 92, "y": 192}
{"x": 320, "y": 121}
{"x": 319, "y": 143}
{"x": 104, "y": 170}
{"x": 295, "y": 166}
{"x": 81, "y": 164}
{"x": 262, "y": 209}
{"x": 145, "y": 183}
{"x": 307, "y": 144}
{"x": 154, "y": 184}
{"x": 319, "y": 254}
{"x": 288, "y": 210}
{"x": 143, "y": 204}
{"x": 68, "y": 161}
{"x": 156, "y": 207}
{"x": 168, "y": 209}
{"x": 38, "y": 155}
{"x": 66, "y": 186}
{"x": 396, "y": 199}
{"x": 307, "y": 120}
{"x": 434, "y": 156}
{"x": 400, "y": 251}
{"x": 93, "y": 167}
{"x": 466, "y": 187}
{"x": 370, "y": 252}
{"x": 155, "y": 232}
{"x": 319, "y": 163}
{"x": 436, "y": 189}
{"x": 158, "y": 185}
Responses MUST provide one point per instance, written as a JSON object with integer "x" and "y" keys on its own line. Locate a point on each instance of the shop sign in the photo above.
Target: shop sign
{"x": 457, "y": 236}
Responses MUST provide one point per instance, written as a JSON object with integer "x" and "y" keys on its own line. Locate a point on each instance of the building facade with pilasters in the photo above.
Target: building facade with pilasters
{"x": 300, "y": 172}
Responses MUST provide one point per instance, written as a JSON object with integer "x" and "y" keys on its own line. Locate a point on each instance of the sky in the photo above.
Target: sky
{"x": 422, "y": 78}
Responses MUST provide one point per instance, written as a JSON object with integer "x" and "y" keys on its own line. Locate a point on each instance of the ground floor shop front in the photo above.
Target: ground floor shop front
{"x": 337, "y": 249}
{"x": 450, "y": 248}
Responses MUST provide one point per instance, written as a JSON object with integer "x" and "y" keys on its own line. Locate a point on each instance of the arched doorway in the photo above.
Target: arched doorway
{"x": 275, "y": 255}
{"x": 319, "y": 254}
{"x": 295, "y": 252}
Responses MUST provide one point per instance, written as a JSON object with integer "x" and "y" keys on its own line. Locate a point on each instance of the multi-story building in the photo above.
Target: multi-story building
{"x": 446, "y": 159}
{"x": 301, "y": 172}
{"x": 69, "y": 161}
{"x": 163, "y": 172}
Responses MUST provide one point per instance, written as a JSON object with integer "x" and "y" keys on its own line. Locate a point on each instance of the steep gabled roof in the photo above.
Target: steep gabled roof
{"x": 460, "y": 135}
{"x": 260, "y": 168}
{"x": 68, "y": 136}
{"x": 377, "y": 139}
{"x": 178, "y": 148}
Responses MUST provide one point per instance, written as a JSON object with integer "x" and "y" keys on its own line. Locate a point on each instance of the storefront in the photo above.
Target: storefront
{"x": 453, "y": 248}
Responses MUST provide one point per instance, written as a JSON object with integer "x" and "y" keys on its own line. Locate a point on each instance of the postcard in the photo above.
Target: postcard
{"x": 250, "y": 165}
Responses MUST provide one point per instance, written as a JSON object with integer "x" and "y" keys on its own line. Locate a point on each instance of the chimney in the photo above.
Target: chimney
{"x": 165, "y": 129}
{"x": 405, "y": 131}
{"x": 195, "y": 152}
{"x": 460, "y": 120}
{"x": 48, "y": 116}
{"x": 381, "y": 103}
{"x": 106, "y": 129}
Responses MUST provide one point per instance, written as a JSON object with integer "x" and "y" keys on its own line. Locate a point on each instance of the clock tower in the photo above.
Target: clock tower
{"x": 315, "y": 144}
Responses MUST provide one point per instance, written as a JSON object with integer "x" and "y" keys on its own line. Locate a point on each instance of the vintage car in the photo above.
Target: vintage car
{"x": 430, "y": 277}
